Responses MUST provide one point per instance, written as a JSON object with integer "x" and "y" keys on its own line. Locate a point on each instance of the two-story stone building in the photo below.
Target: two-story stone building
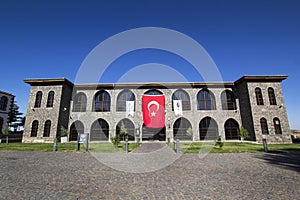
{"x": 208, "y": 109}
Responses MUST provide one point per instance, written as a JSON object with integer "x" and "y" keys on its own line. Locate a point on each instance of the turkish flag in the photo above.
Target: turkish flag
{"x": 153, "y": 107}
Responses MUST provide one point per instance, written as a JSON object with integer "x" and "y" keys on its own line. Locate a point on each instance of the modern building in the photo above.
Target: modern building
{"x": 208, "y": 109}
{"x": 6, "y": 103}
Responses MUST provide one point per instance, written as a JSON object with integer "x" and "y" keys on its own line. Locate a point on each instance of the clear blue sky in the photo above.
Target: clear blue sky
{"x": 48, "y": 39}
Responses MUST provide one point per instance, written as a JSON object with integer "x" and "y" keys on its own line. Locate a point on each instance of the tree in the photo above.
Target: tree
{"x": 6, "y": 132}
{"x": 189, "y": 132}
{"x": 15, "y": 119}
{"x": 243, "y": 133}
{"x": 63, "y": 131}
{"x": 123, "y": 131}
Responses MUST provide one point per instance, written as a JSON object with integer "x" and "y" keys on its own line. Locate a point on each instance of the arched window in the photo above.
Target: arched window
{"x": 124, "y": 96}
{"x": 47, "y": 128}
{"x": 38, "y": 99}
{"x": 184, "y": 97}
{"x": 231, "y": 130}
{"x": 264, "y": 126}
{"x": 228, "y": 101}
{"x": 79, "y": 103}
{"x": 128, "y": 126}
{"x": 34, "y": 128}
{"x": 272, "y": 97}
{"x": 206, "y": 100}
{"x": 259, "y": 97}
{"x": 102, "y": 102}
{"x": 99, "y": 131}
{"x": 277, "y": 126}
{"x": 50, "y": 99}
{"x": 1, "y": 124}
{"x": 153, "y": 92}
{"x": 3, "y": 103}
{"x": 208, "y": 129}
{"x": 180, "y": 129}
{"x": 76, "y": 127}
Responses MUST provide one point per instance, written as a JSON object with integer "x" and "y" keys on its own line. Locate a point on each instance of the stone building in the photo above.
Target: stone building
{"x": 6, "y": 103}
{"x": 208, "y": 109}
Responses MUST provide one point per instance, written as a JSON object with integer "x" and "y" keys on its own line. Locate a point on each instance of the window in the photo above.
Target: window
{"x": 124, "y": 96}
{"x": 153, "y": 92}
{"x": 34, "y": 128}
{"x": 272, "y": 97}
{"x": 47, "y": 128}
{"x": 1, "y": 124}
{"x": 79, "y": 103}
{"x": 206, "y": 100}
{"x": 277, "y": 126}
{"x": 102, "y": 102}
{"x": 259, "y": 97}
{"x": 264, "y": 126}
{"x": 3, "y": 103}
{"x": 228, "y": 101}
{"x": 50, "y": 99}
{"x": 76, "y": 127}
{"x": 180, "y": 128}
{"x": 99, "y": 130}
{"x": 38, "y": 99}
{"x": 184, "y": 97}
{"x": 208, "y": 129}
{"x": 231, "y": 130}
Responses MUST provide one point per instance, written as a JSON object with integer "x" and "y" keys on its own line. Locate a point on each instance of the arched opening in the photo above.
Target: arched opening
{"x": 259, "y": 97}
{"x": 79, "y": 103}
{"x": 127, "y": 126}
{"x": 102, "y": 101}
{"x": 3, "y": 103}
{"x": 208, "y": 129}
{"x": 184, "y": 97}
{"x": 264, "y": 126}
{"x": 180, "y": 129}
{"x": 277, "y": 126}
{"x": 38, "y": 99}
{"x": 76, "y": 127}
{"x": 50, "y": 99}
{"x": 99, "y": 131}
{"x": 123, "y": 97}
{"x": 228, "y": 101}
{"x": 272, "y": 97}
{"x": 34, "y": 128}
{"x": 47, "y": 128}
{"x": 231, "y": 130}
{"x": 206, "y": 100}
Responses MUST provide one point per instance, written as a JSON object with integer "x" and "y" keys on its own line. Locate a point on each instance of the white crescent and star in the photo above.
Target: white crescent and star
{"x": 153, "y": 113}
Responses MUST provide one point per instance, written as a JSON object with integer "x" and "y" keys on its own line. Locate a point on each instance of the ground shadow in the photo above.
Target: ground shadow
{"x": 290, "y": 161}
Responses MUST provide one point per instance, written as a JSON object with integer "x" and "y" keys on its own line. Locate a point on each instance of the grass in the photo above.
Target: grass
{"x": 104, "y": 147}
{"x": 236, "y": 147}
{"x": 193, "y": 148}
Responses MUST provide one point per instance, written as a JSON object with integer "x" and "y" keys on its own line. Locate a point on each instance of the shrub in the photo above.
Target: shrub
{"x": 219, "y": 142}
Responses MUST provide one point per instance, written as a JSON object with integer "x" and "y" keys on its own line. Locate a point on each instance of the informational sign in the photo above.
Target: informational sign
{"x": 83, "y": 137}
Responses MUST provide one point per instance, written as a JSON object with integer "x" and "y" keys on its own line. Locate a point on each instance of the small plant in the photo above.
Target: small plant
{"x": 116, "y": 141}
{"x": 63, "y": 132}
{"x": 189, "y": 132}
{"x": 243, "y": 133}
{"x": 219, "y": 142}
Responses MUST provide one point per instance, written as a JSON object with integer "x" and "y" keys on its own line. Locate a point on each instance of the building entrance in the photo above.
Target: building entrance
{"x": 153, "y": 133}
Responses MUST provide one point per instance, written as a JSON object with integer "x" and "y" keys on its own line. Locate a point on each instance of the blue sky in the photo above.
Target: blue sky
{"x": 48, "y": 39}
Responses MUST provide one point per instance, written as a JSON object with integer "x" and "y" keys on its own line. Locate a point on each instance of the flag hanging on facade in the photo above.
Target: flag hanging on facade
{"x": 153, "y": 107}
{"x": 177, "y": 107}
{"x": 129, "y": 108}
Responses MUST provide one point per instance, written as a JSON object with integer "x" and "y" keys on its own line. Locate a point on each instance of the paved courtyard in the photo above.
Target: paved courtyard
{"x": 39, "y": 175}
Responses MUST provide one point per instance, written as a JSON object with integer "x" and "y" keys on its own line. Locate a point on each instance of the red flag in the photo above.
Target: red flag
{"x": 154, "y": 110}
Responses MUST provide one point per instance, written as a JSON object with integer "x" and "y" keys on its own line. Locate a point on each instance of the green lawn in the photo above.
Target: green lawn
{"x": 104, "y": 147}
{"x": 236, "y": 147}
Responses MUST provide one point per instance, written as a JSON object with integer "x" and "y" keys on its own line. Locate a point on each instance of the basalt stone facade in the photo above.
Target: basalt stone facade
{"x": 6, "y": 103}
{"x": 210, "y": 110}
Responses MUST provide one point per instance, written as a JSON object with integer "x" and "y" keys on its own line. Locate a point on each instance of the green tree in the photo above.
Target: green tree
{"x": 63, "y": 131}
{"x": 15, "y": 118}
{"x": 123, "y": 131}
{"x": 189, "y": 132}
{"x": 6, "y": 132}
{"x": 243, "y": 133}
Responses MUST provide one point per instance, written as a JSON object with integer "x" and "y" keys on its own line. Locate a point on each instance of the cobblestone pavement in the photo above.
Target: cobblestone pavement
{"x": 39, "y": 175}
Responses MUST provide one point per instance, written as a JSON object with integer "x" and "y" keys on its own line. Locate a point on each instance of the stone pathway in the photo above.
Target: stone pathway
{"x": 148, "y": 147}
{"x": 40, "y": 175}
